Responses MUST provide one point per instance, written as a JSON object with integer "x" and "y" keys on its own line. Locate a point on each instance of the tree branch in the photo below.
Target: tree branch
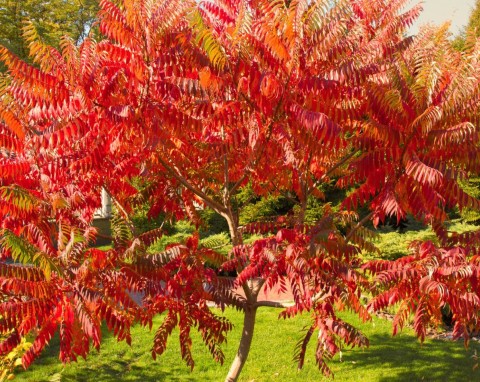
{"x": 208, "y": 201}
{"x": 358, "y": 225}
{"x": 262, "y": 147}
{"x": 102, "y": 236}
{"x": 283, "y": 193}
{"x": 121, "y": 209}
{"x": 337, "y": 165}
{"x": 226, "y": 178}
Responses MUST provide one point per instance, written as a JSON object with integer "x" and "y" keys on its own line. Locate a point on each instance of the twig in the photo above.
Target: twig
{"x": 358, "y": 225}
{"x": 337, "y": 165}
{"x": 208, "y": 201}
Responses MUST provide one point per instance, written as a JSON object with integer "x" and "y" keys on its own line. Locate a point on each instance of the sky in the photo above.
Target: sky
{"x": 439, "y": 11}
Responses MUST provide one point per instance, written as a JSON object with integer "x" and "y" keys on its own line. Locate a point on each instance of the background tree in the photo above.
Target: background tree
{"x": 52, "y": 20}
{"x": 198, "y": 100}
{"x": 474, "y": 19}
{"x": 462, "y": 42}
{"x": 471, "y": 28}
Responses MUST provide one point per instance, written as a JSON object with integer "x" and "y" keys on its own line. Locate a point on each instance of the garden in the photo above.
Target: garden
{"x": 293, "y": 188}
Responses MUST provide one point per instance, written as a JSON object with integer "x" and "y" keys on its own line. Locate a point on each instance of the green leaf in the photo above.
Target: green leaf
{"x": 24, "y": 252}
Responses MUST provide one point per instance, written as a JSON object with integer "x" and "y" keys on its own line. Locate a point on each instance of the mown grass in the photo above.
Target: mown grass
{"x": 394, "y": 244}
{"x": 388, "y": 358}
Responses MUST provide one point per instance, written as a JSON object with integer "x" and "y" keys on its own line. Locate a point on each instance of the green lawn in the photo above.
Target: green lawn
{"x": 388, "y": 359}
{"x": 399, "y": 358}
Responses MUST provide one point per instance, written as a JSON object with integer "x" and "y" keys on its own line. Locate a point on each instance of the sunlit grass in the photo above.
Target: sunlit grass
{"x": 388, "y": 358}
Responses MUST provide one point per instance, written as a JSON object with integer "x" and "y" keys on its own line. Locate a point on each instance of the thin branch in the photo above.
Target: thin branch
{"x": 255, "y": 285}
{"x": 262, "y": 147}
{"x": 283, "y": 193}
{"x": 248, "y": 168}
{"x": 321, "y": 296}
{"x": 122, "y": 210}
{"x": 247, "y": 291}
{"x": 208, "y": 201}
{"x": 358, "y": 225}
{"x": 252, "y": 288}
{"x": 336, "y": 166}
{"x": 226, "y": 178}
{"x": 106, "y": 237}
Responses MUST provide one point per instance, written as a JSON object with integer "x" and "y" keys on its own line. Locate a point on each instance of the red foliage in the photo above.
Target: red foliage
{"x": 199, "y": 99}
{"x": 429, "y": 280}
{"x": 320, "y": 266}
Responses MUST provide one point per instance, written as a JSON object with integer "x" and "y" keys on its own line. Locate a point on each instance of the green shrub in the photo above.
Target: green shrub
{"x": 265, "y": 207}
{"x": 219, "y": 242}
{"x": 472, "y": 187}
{"x": 181, "y": 231}
{"x": 212, "y": 222}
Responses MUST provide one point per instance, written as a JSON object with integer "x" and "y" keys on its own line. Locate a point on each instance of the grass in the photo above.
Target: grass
{"x": 388, "y": 358}
{"x": 393, "y": 244}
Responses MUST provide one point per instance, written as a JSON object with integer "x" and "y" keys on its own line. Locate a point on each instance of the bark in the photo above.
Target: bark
{"x": 235, "y": 234}
{"x": 244, "y": 346}
{"x": 251, "y": 289}
{"x": 303, "y": 209}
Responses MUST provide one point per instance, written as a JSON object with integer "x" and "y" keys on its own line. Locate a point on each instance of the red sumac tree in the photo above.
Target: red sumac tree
{"x": 200, "y": 99}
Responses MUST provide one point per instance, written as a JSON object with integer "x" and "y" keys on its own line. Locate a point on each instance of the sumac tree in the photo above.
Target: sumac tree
{"x": 199, "y": 99}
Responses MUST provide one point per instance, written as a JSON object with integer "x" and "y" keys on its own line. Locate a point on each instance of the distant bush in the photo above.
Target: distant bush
{"x": 472, "y": 187}
{"x": 265, "y": 207}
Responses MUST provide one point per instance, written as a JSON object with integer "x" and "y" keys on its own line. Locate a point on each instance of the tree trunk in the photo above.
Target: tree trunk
{"x": 301, "y": 214}
{"x": 300, "y": 218}
{"x": 245, "y": 343}
{"x": 235, "y": 235}
{"x": 251, "y": 289}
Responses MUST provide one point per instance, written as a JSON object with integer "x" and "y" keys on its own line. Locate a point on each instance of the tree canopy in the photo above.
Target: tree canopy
{"x": 474, "y": 19}
{"x": 52, "y": 19}
{"x": 472, "y": 28}
{"x": 201, "y": 99}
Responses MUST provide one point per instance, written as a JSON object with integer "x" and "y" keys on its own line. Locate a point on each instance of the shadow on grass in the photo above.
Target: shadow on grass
{"x": 403, "y": 358}
{"x": 113, "y": 363}
{"x": 112, "y": 374}
{"x": 389, "y": 359}
{"x": 121, "y": 369}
